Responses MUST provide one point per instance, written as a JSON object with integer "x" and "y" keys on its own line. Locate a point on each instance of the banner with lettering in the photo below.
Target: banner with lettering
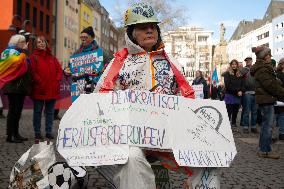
{"x": 99, "y": 128}
{"x": 82, "y": 66}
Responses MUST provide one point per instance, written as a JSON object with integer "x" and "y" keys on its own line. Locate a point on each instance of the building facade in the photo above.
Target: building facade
{"x": 35, "y": 17}
{"x": 68, "y": 29}
{"x": 86, "y": 16}
{"x": 192, "y": 47}
{"x": 278, "y": 37}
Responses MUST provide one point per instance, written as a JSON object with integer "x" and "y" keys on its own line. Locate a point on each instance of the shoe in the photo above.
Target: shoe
{"x": 254, "y": 130}
{"x": 57, "y": 118}
{"x": 49, "y": 136}
{"x": 13, "y": 140}
{"x": 38, "y": 136}
{"x": 245, "y": 130}
{"x": 22, "y": 138}
{"x": 272, "y": 155}
{"x": 281, "y": 136}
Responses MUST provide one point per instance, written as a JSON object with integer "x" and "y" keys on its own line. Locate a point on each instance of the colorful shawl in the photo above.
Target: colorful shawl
{"x": 12, "y": 65}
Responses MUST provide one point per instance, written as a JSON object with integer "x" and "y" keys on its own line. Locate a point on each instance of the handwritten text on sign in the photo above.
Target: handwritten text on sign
{"x": 195, "y": 130}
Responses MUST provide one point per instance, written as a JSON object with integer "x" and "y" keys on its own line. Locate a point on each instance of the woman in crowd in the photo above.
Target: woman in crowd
{"x": 234, "y": 87}
{"x": 15, "y": 78}
{"x": 46, "y": 74}
{"x": 199, "y": 80}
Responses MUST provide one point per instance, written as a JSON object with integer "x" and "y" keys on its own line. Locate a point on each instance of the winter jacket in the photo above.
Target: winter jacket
{"x": 21, "y": 84}
{"x": 249, "y": 81}
{"x": 145, "y": 71}
{"x": 268, "y": 87}
{"x": 201, "y": 81}
{"x": 46, "y": 74}
{"x": 233, "y": 84}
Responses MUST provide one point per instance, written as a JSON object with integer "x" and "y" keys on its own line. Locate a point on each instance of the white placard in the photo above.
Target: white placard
{"x": 198, "y": 91}
{"x": 98, "y": 129}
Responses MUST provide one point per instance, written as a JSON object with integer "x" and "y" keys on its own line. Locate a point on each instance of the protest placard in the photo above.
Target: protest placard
{"x": 198, "y": 91}
{"x": 99, "y": 128}
{"x": 81, "y": 65}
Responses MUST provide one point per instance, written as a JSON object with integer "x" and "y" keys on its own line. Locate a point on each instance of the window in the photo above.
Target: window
{"x": 28, "y": 11}
{"x": 19, "y": 7}
{"x": 65, "y": 42}
{"x": 47, "y": 4}
{"x": 41, "y": 21}
{"x": 34, "y": 17}
{"x": 42, "y": 2}
{"x": 95, "y": 23}
{"x": 47, "y": 24}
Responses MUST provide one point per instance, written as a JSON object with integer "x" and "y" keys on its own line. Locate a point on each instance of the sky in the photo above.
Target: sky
{"x": 207, "y": 14}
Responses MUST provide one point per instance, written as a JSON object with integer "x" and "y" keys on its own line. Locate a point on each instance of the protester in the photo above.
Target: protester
{"x": 46, "y": 74}
{"x": 144, "y": 65}
{"x": 268, "y": 91}
{"x": 249, "y": 104}
{"x": 221, "y": 91}
{"x": 279, "y": 110}
{"x": 234, "y": 87}
{"x": 199, "y": 80}
{"x": 15, "y": 77}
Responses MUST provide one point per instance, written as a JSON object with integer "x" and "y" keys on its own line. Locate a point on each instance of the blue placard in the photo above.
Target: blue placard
{"x": 82, "y": 65}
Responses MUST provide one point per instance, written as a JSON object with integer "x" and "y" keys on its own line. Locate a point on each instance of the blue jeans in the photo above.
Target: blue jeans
{"x": 280, "y": 122}
{"x": 249, "y": 106}
{"x": 49, "y": 111}
{"x": 265, "y": 139}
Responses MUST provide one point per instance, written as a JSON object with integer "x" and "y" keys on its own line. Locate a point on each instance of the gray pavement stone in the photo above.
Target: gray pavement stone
{"x": 248, "y": 171}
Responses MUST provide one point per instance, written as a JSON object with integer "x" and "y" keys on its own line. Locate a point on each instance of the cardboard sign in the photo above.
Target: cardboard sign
{"x": 198, "y": 91}
{"x": 98, "y": 129}
{"x": 81, "y": 64}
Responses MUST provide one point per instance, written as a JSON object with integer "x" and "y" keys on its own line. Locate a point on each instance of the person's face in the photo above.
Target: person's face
{"x": 248, "y": 62}
{"x": 22, "y": 44}
{"x": 41, "y": 44}
{"x": 197, "y": 74}
{"x": 240, "y": 64}
{"x": 267, "y": 58}
{"x": 146, "y": 35}
{"x": 86, "y": 39}
{"x": 234, "y": 65}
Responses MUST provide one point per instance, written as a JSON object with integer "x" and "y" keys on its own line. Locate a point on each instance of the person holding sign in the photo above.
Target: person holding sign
{"x": 46, "y": 74}
{"x": 199, "y": 80}
{"x": 145, "y": 66}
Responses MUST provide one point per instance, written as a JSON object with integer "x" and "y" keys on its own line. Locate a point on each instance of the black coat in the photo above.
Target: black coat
{"x": 268, "y": 87}
{"x": 233, "y": 83}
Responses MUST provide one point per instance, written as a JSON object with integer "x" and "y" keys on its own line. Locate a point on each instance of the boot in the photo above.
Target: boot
{"x": 272, "y": 155}
{"x": 1, "y": 114}
{"x": 13, "y": 139}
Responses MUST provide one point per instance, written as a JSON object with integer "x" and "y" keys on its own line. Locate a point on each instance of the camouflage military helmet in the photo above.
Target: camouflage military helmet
{"x": 140, "y": 13}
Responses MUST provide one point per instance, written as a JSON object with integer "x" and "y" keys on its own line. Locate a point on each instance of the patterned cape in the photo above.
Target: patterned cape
{"x": 12, "y": 65}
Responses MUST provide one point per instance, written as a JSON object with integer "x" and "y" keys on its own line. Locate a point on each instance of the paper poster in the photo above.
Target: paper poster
{"x": 198, "y": 91}
{"x": 81, "y": 65}
{"x": 99, "y": 128}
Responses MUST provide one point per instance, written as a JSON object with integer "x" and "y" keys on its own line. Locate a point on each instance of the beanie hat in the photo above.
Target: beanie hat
{"x": 89, "y": 30}
{"x": 261, "y": 51}
{"x": 248, "y": 58}
{"x": 273, "y": 62}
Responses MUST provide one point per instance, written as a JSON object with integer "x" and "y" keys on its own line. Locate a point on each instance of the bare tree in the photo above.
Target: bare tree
{"x": 170, "y": 14}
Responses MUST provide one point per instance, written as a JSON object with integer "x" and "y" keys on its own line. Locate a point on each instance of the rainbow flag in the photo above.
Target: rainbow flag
{"x": 12, "y": 65}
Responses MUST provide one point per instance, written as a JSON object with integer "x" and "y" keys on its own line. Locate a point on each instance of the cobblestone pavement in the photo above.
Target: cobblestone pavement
{"x": 247, "y": 171}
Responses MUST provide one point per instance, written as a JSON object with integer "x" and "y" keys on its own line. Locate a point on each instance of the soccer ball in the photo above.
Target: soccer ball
{"x": 59, "y": 176}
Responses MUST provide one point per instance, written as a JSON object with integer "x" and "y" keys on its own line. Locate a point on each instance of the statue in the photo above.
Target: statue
{"x": 222, "y": 34}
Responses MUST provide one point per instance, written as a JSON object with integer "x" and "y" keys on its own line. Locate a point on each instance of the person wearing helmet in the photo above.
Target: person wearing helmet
{"x": 143, "y": 65}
